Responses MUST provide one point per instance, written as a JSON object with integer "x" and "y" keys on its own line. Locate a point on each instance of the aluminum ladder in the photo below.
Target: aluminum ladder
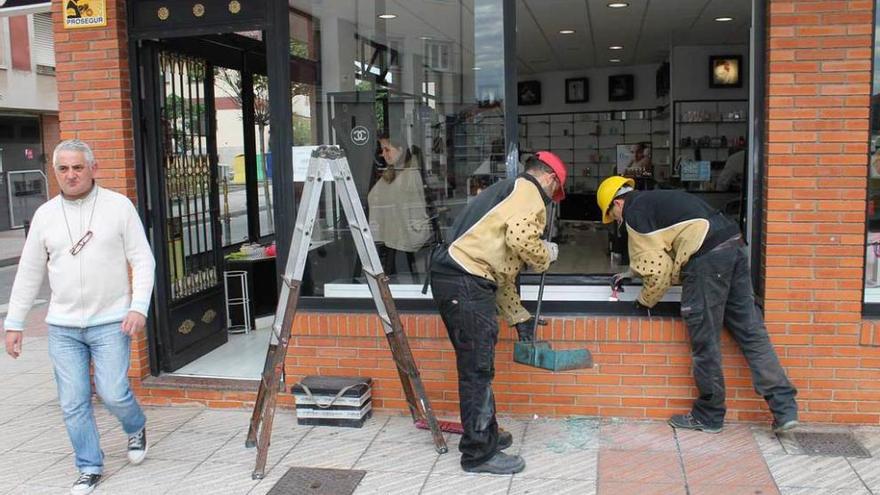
{"x": 330, "y": 161}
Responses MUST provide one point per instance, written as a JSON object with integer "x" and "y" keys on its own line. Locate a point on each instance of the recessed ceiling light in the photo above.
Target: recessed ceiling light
{"x": 615, "y": 47}
{"x": 425, "y": 37}
{"x": 566, "y": 31}
{"x": 723, "y": 19}
{"x": 477, "y": 68}
{"x": 387, "y": 16}
{"x": 614, "y": 60}
{"x": 618, "y": 5}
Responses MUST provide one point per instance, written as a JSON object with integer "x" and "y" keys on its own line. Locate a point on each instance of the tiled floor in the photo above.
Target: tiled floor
{"x": 200, "y": 451}
{"x": 241, "y": 357}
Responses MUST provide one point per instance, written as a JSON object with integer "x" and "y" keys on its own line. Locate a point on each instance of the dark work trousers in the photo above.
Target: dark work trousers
{"x": 716, "y": 290}
{"x": 467, "y": 306}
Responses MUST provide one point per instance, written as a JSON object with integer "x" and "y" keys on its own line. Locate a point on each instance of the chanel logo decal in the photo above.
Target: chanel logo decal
{"x": 360, "y": 135}
{"x": 234, "y": 7}
{"x": 198, "y": 10}
{"x": 163, "y": 13}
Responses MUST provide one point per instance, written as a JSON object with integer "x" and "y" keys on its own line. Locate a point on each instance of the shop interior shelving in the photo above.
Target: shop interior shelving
{"x": 587, "y": 141}
{"x": 708, "y": 130}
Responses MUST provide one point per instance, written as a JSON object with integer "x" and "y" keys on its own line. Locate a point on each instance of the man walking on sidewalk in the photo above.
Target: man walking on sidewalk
{"x": 87, "y": 238}
{"x": 474, "y": 274}
{"x": 676, "y": 236}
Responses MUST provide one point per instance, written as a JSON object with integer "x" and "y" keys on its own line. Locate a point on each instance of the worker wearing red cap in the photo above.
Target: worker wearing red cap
{"x": 473, "y": 277}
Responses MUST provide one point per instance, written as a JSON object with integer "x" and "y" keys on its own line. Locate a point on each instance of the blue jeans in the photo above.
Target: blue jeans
{"x": 108, "y": 348}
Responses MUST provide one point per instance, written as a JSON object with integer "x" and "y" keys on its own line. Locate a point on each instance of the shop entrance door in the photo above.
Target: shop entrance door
{"x": 180, "y": 124}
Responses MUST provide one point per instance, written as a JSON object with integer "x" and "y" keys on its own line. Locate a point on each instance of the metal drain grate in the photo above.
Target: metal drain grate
{"x": 316, "y": 481}
{"x": 829, "y": 444}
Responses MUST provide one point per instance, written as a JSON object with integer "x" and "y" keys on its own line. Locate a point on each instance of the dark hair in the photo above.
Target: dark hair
{"x": 533, "y": 165}
{"x": 399, "y": 144}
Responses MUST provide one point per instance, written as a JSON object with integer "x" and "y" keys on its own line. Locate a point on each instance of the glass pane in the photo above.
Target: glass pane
{"x": 872, "y": 251}
{"x": 264, "y": 157}
{"x": 230, "y": 153}
{"x": 413, "y": 93}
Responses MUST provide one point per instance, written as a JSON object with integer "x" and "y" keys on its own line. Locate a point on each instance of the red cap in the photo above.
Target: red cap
{"x": 554, "y": 162}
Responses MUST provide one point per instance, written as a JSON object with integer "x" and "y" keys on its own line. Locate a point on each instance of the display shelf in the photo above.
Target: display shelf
{"x": 707, "y": 121}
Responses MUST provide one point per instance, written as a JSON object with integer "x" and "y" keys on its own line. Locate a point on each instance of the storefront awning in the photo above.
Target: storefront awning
{"x": 10, "y": 8}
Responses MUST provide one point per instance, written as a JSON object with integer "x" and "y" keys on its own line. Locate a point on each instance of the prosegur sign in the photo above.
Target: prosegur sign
{"x": 84, "y": 13}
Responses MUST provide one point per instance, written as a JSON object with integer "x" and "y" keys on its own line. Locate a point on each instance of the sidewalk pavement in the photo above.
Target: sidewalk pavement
{"x": 196, "y": 450}
{"x": 11, "y": 244}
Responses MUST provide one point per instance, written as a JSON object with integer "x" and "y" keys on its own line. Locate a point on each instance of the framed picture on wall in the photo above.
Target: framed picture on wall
{"x": 529, "y": 93}
{"x": 577, "y": 90}
{"x": 725, "y": 71}
{"x": 621, "y": 87}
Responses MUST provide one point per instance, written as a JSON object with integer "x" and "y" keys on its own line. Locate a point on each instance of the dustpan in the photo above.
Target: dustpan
{"x": 540, "y": 353}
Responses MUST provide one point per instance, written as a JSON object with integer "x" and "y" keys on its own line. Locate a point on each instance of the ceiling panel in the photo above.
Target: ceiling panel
{"x": 646, "y": 29}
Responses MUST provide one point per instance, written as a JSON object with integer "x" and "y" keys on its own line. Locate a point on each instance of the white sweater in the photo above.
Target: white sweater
{"x": 91, "y": 288}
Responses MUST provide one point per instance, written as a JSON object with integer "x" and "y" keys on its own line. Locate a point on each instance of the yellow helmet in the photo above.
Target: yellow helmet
{"x": 608, "y": 190}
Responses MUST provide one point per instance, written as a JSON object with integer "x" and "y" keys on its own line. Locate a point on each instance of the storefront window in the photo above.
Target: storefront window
{"x": 872, "y": 251}
{"x": 413, "y": 92}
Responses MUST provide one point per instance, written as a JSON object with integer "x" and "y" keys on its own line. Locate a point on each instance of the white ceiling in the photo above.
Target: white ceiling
{"x": 646, "y": 29}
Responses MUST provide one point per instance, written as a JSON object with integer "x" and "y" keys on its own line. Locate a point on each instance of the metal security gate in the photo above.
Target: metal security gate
{"x": 179, "y": 109}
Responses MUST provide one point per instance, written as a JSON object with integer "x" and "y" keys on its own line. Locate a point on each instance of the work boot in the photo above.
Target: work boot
{"x": 782, "y": 426}
{"x": 500, "y": 463}
{"x": 688, "y": 422}
{"x": 505, "y": 439}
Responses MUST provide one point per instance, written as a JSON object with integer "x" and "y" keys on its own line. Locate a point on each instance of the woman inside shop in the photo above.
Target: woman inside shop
{"x": 398, "y": 210}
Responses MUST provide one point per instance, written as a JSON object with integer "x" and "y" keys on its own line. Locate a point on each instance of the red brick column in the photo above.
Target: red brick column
{"x": 94, "y": 105}
{"x": 816, "y": 168}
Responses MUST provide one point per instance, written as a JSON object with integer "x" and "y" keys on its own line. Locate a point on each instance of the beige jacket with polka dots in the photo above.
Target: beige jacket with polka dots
{"x": 658, "y": 256}
{"x": 499, "y": 232}
{"x": 665, "y": 229}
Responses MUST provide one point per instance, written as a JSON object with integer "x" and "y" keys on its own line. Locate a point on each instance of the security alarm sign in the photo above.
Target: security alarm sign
{"x": 84, "y": 13}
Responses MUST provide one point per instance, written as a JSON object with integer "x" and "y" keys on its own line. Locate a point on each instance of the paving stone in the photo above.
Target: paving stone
{"x": 541, "y": 462}
{"x": 647, "y": 467}
{"x": 235, "y": 452}
{"x": 189, "y": 446}
{"x": 385, "y": 483}
{"x": 733, "y": 469}
{"x": 734, "y": 439}
{"x": 153, "y": 477}
{"x": 63, "y": 473}
{"x": 17, "y": 468}
{"x": 399, "y": 457}
{"x": 812, "y": 472}
{"x": 630, "y": 488}
{"x": 216, "y": 479}
{"x": 213, "y": 421}
{"x": 321, "y": 452}
{"x": 719, "y": 489}
{"x": 467, "y": 484}
{"x": 641, "y": 436}
{"x": 537, "y": 486}
{"x": 564, "y": 435}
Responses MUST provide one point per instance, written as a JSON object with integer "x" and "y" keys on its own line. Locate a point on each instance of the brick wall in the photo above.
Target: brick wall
{"x": 817, "y": 143}
{"x": 819, "y": 70}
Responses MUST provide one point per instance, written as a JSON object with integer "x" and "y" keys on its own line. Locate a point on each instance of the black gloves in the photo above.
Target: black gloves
{"x": 526, "y": 329}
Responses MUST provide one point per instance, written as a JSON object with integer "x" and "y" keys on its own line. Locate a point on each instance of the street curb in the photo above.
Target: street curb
{"x": 9, "y": 262}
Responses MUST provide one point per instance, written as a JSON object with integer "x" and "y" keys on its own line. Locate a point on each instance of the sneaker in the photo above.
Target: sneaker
{"x": 137, "y": 446}
{"x": 688, "y": 422}
{"x": 783, "y": 426}
{"x": 505, "y": 439}
{"x": 500, "y": 463}
{"x": 85, "y": 484}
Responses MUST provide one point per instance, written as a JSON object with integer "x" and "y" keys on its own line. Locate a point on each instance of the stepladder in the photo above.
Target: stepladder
{"x": 326, "y": 163}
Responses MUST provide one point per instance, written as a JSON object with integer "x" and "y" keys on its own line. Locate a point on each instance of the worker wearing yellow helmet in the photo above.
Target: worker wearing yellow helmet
{"x": 675, "y": 237}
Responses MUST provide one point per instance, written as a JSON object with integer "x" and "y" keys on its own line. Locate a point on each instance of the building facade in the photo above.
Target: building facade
{"x": 143, "y": 90}
{"x": 28, "y": 109}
